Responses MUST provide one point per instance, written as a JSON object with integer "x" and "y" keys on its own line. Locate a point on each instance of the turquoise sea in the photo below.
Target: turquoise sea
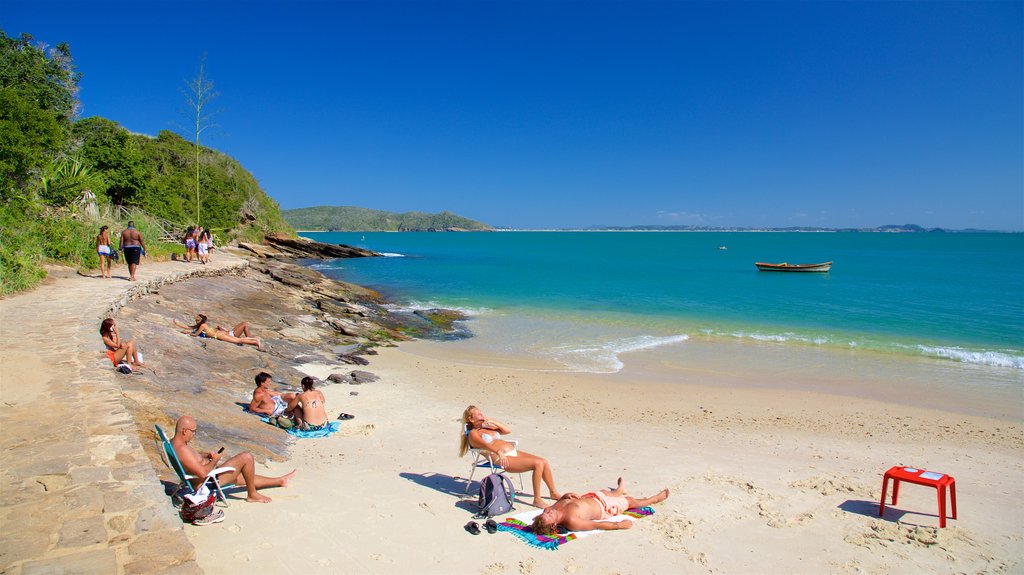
{"x": 592, "y": 301}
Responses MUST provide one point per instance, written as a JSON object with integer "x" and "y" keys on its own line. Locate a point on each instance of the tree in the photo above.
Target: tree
{"x": 112, "y": 151}
{"x": 38, "y": 102}
{"x": 199, "y": 94}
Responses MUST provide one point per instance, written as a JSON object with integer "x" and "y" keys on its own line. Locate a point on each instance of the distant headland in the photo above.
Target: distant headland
{"x": 353, "y": 219}
{"x": 891, "y": 228}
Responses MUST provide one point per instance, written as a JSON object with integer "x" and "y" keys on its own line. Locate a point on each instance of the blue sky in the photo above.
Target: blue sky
{"x": 562, "y": 114}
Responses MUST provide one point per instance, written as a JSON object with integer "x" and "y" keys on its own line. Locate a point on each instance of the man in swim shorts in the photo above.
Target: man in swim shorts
{"x": 587, "y": 512}
{"x": 200, "y": 465}
{"x": 267, "y": 402}
{"x": 133, "y": 247}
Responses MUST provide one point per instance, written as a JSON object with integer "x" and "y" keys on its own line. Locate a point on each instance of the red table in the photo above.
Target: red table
{"x": 940, "y": 481}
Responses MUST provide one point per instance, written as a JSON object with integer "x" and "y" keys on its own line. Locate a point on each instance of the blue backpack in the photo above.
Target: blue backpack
{"x": 496, "y": 496}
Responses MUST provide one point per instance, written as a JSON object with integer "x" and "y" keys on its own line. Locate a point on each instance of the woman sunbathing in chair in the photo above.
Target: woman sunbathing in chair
{"x": 238, "y": 334}
{"x": 483, "y": 433}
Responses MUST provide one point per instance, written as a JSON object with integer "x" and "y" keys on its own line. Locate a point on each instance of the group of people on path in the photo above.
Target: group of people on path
{"x": 198, "y": 243}
{"x": 570, "y": 510}
{"x": 130, "y": 244}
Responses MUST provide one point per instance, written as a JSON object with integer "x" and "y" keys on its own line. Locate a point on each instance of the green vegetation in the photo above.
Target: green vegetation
{"x": 62, "y": 178}
{"x": 351, "y": 219}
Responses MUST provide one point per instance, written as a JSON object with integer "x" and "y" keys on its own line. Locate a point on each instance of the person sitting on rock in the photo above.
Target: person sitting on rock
{"x": 582, "y": 512}
{"x": 118, "y": 350}
{"x": 239, "y": 334}
{"x": 200, "y": 465}
{"x": 308, "y": 410}
{"x": 267, "y": 402}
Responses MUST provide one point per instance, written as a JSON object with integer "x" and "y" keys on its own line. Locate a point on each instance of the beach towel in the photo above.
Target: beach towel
{"x": 325, "y": 432}
{"x": 519, "y": 525}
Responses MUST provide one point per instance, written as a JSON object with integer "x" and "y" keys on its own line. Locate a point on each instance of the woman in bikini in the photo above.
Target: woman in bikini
{"x": 103, "y": 251}
{"x": 190, "y": 244}
{"x": 309, "y": 409}
{"x": 239, "y": 334}
{"x": 483, "y": 433}
{"x": 118, "y": 350}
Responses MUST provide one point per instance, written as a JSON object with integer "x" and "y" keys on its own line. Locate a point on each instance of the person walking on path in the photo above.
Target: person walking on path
{"x": 103, "y": 251}
{"x": 133, "y": 247}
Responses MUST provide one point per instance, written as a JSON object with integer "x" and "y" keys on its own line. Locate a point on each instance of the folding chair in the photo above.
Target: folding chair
{"x": 482, "y": 460}
{"x": 170, "y": 459}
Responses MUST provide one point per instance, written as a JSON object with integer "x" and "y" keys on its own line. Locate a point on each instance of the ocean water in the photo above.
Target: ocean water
{"x": 589, "y": 301}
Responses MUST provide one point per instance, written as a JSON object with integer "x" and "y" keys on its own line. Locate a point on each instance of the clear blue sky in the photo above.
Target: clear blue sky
{"x": 558, "y": 114}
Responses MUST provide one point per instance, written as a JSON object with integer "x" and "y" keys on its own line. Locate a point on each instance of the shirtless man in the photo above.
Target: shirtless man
{"x": 201, "y": 465}
{"x": 133, "y": 247}
{"x": 267, "y": 402}
{"x": 581, "y": 512}
{"x": 309, "y": 409}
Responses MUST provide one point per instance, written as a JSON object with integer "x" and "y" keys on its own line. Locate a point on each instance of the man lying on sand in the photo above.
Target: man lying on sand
{"x": 267, "y": 402}
{"x": 581, "y": 512}
{"x": 202, "y": 465}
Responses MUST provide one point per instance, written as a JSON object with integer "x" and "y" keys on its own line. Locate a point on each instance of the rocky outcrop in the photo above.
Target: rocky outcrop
{"x": 278, "y": 246}
{"x": 301, "y": 316}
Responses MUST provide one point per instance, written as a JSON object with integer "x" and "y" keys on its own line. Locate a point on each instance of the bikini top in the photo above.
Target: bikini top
{"x": 488, "y": 438}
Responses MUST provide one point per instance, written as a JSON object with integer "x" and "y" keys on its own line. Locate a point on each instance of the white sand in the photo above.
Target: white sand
{"x": 762, "y": 480}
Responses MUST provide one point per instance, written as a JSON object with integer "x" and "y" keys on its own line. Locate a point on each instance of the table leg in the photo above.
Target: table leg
{"x": 885, "y": 489}
{"x": 941, "y": 490}
{"x": 895, "y": 489}
{"x": 952, "y": 496}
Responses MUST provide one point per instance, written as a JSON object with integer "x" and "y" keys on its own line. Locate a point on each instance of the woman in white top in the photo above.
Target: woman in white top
{"x": 483, "y": 433}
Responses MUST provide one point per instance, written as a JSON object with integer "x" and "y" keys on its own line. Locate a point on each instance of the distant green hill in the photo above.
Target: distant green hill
{"x": 352, "y": 219}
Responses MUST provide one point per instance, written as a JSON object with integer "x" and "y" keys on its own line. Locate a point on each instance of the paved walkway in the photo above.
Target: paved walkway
{"x": 77, "y": 493}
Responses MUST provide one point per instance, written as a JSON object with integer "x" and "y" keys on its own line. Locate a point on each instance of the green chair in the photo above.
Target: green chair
{"x": 170, "y": 459}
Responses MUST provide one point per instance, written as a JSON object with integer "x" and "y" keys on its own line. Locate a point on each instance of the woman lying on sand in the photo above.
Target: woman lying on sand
{"x": 122, "y": 350}
{"x": 238, "y": 334}
{"x": 482, "y": 433}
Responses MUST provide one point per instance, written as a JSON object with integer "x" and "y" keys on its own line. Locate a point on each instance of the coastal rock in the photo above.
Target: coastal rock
{"x": 339, "y": 378}
{"x": 360, "y": 377}
{"x": 212, "y": 380}
{"x": 306, "y": 248}
{"x": 354, "y": 360}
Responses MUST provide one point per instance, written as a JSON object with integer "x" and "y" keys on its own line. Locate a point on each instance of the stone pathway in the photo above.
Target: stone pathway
{"x": 77, "y": 493}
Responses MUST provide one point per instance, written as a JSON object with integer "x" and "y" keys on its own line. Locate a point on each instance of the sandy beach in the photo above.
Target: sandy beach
{"x": 766, "y": 475}
{"x": 762, "y": 481}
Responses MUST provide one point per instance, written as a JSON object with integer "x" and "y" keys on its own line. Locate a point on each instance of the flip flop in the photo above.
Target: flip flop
{"x": 491, "y": 526}
{"x": 345, "y": 416}
{"x": 472, "y": 527}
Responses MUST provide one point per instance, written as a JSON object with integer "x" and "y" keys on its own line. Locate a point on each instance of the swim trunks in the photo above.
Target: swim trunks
{"x": 279, "y": 406}
{"x": 103, "y": 250}
{"x": 612, "y": 504}
{"x": 132, "y": 254}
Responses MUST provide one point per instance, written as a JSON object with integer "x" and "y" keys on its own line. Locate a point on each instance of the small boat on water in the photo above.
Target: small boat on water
{"x": 788, "y": 267}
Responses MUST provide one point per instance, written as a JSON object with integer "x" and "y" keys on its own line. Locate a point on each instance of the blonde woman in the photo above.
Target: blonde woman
{"x": 482, "y": 433}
